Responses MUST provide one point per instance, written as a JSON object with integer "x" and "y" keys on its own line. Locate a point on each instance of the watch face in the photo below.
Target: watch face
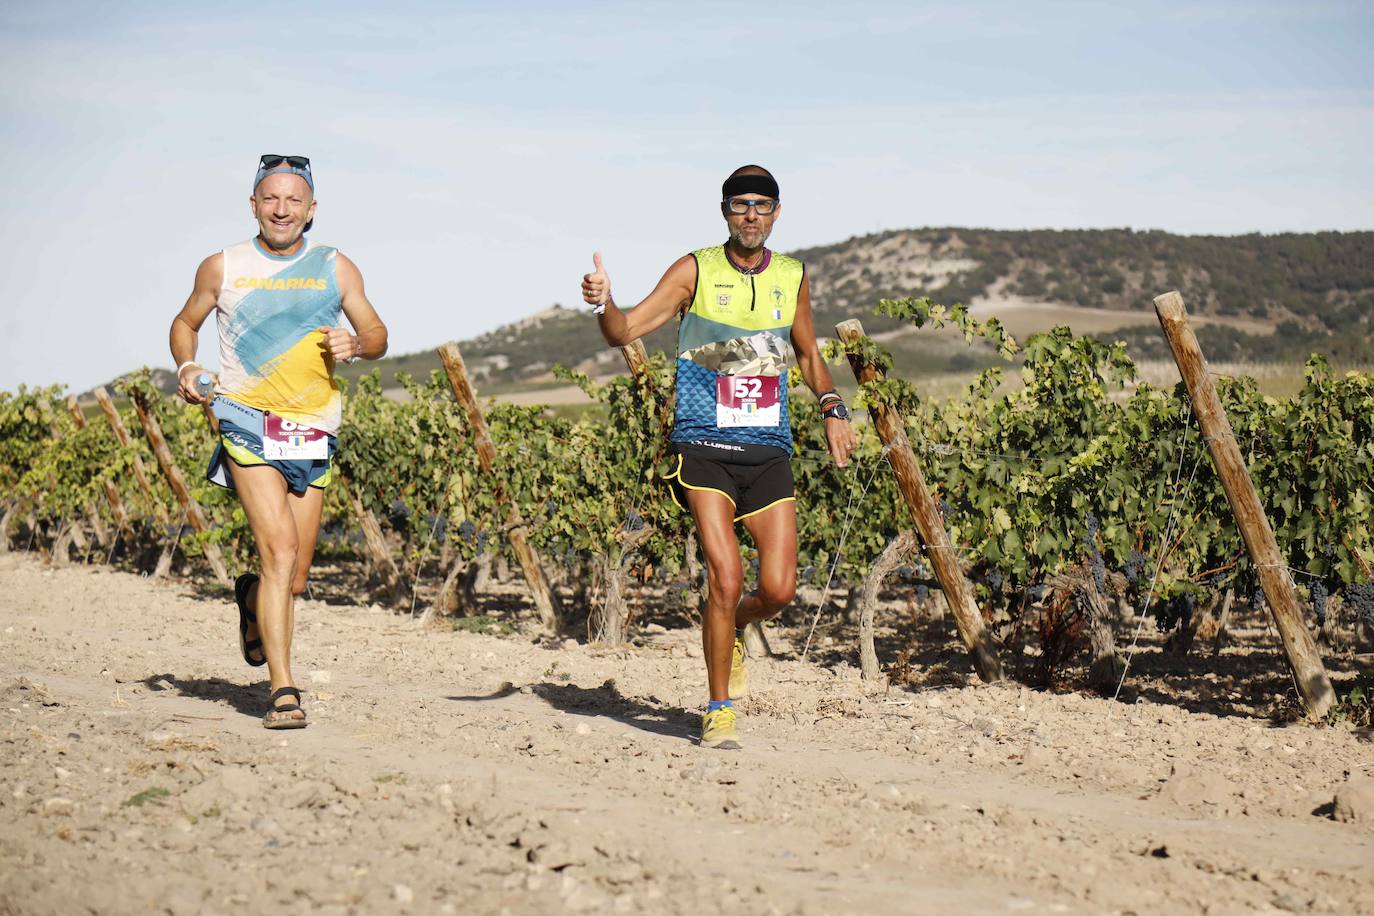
{"x": 839, "y": 412}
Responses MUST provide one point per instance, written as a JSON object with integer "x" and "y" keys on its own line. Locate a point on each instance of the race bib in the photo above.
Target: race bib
{"x": 283, "y": 440}
{"x": 747, "y": 400}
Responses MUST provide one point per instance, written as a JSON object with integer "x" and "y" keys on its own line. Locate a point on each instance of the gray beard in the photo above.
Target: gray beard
{"x": 735, "y": 237}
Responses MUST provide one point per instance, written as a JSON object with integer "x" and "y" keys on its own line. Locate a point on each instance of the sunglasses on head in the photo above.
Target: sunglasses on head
{"x": 272, "y": 160}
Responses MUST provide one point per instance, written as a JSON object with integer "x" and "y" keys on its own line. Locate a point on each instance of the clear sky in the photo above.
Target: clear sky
{"x": 471, "y": 156}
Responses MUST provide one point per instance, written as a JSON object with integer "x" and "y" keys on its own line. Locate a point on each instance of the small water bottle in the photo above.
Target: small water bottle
{"x": 204, "y": 384}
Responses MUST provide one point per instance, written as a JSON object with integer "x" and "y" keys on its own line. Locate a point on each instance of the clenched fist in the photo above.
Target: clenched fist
{"x": 344, "y": 347}
{"x": 596, "y": 286}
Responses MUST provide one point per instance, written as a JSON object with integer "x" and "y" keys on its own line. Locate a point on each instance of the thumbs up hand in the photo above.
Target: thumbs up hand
{"x": 596, "y": 286}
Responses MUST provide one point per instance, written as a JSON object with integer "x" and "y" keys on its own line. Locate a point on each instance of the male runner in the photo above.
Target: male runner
{"x": 278, "y": 296}
{"x": 738, "y": 305}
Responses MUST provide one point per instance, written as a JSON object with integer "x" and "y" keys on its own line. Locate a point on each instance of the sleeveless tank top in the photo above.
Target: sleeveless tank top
{"x": 737, "y": 329}
{"x": 271, "y": 352}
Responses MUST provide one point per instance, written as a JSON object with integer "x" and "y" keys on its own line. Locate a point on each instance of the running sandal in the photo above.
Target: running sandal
{"x": 242, "y": 585}
{"x": 718, "y": 730}
{"x": 739, "y": 676}
{"x": 274, "y": 721}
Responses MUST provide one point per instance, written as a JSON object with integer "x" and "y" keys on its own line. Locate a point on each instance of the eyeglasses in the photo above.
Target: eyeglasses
{"x": 740, "y": 205}
{"x": 272, "y": 160}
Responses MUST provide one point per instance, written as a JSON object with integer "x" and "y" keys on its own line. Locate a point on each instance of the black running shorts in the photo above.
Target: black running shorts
{"x": 754, "y": 478}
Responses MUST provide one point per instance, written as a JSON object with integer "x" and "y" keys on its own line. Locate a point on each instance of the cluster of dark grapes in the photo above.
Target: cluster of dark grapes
{"x": 397, "y": 513}
{"x": 945, "y": 509}
{"x": 550, "y": 507}
{"x": 1360, "y": 598}
{"x": 1169, "y": 614}
{"x": 808, "y": 574}
{"x": 995, "y": 581}
{"x": 482, "y": 543}
{"x": 1319, "y": 601}
{"x": 1098, "y": 567}
{"x": 634, "y": 521}
{"x": 467, "y": 530}
{"x": 922, "y": 593}
{"x": 1135, "y": 567}
{"x": 1036, "y": 593}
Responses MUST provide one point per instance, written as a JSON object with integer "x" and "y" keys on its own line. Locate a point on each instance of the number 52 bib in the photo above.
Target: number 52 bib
{"x": 747, "y": 400}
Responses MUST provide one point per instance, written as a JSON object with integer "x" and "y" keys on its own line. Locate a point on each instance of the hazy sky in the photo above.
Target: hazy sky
{"x": 470, "y": 156}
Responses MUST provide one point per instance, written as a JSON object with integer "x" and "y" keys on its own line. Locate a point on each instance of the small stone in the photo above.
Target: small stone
{"x": 1354, "y": 801}
{"x": 321, "y": 677}
{"x": 59, "y": 807}
{"x": 403, "y": 894}
{"x": 583, "y": 728}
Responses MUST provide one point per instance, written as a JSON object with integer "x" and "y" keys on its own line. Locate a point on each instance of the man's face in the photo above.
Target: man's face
{"x": 283, "y": 204}
{"x": 750, "y": 229}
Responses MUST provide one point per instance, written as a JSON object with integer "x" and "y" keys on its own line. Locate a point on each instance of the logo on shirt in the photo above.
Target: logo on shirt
{"x": 723, "y": 300}
{"x": 275, "y": 283}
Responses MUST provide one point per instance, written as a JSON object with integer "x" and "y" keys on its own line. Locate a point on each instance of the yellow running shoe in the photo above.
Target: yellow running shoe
{"x": 718, "y": 730}
{"x": 739, "y": 675}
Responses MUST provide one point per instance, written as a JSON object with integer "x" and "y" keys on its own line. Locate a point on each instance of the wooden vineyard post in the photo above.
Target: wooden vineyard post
{"x": 1299, "y": 648}
{"x": 374, "y": 541}
{"x": 545, "y": 601}
{"x": 177, "y": 481}
{"x": 112, "y": 496}
{"x": 911, "y": 481}
{"x": 122, "y": 435}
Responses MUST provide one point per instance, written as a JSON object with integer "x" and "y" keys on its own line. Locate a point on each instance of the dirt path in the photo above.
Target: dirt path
{"x": 457, "y": 773}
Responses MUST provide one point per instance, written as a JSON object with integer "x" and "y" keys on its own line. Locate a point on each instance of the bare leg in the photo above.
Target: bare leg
{"x": 775, "y": 535}
{"x": 267, "y": 503}
{"x": 714, "y": 516}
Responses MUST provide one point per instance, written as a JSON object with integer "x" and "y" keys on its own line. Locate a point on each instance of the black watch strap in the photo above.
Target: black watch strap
{"x": 835, "y": 409}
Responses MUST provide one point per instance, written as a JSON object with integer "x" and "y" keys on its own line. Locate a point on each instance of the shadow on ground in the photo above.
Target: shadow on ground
{"x": 248, "y": 699}
{"x": 646, "y": 714}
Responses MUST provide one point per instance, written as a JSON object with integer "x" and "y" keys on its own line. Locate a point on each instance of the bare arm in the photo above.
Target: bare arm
{"x": 369, "y": 336}
{"x": 839, "y": 434}
{"x": 185, "y": 333}
{"x": 672, "y": 294}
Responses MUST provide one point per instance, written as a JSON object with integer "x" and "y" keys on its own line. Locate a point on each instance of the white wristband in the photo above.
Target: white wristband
{"x": 189, "y": 362}
{"x": 599, "y": 309}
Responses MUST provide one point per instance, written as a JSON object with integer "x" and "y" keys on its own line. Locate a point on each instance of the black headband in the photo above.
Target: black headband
{"x": 736, "y": 185}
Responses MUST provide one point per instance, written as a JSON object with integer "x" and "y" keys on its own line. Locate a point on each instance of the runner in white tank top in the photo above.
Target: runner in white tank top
{"x": 278, "y": 298}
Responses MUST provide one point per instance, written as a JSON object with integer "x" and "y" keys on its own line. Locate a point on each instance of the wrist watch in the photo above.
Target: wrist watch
{"x": 837, "y": 411}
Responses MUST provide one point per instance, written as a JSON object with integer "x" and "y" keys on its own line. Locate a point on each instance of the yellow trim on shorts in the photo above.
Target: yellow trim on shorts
{"x": 243, "y": 457}
{"x": 678, "y": 475}
{"x": 776, "y": 502}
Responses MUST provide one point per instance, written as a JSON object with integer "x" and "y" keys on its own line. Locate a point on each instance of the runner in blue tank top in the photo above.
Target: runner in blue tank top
{"x": 739, "y": 306}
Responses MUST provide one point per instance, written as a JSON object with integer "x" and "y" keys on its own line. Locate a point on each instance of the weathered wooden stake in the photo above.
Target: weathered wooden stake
{"x": 374, "y": 542}
{"x": 1299, "y": 647}
{"x": 893, "y": 555}
{"x": 911, "y": 481}
{"x": 122, "y": 434}
{"x": 112, "y": 496}
{"x": 545, "y": 601}
{"x": 194, "y": 514}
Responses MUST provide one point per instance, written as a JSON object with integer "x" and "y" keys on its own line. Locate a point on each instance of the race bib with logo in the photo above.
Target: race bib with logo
{"x": 747, "y": 400}
{"x": 283, "y": 440}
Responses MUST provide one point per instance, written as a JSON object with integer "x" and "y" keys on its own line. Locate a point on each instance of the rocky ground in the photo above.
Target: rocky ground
{"x": 447, "y": 771}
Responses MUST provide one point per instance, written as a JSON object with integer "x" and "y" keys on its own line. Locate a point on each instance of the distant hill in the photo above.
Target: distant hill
{"x": 1318, "y": 287}
{"x": 1271, "y": 297}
